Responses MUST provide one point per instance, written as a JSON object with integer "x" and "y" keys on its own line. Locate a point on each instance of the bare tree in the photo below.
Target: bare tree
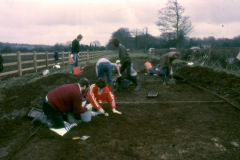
{"x": 146, "y": 37}
{"x": 96, "y": 43}
{"x": 135, "y": 33}
{"x": 173, "y": 23}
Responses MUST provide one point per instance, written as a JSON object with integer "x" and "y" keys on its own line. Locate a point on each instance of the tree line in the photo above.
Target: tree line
{"x": 140, "y": 39}
{"x": 173, "y": 24}
{"x": 24, "y": 48}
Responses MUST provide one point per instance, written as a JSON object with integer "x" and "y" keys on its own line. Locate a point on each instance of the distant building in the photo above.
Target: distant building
{"x": 151, "y": 50}
{"x": 195, "y": 47}
{"x": 206, "y": 45}
{"x": 172, "y": 48}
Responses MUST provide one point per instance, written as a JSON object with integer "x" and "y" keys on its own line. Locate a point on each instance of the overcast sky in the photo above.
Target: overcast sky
{"x": 58, "y": 21}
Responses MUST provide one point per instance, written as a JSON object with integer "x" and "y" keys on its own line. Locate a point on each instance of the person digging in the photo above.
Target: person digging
{"x": 97, "y": 94}
{"x": 166, "y": 65}
{"x": 124, "y": 76}
{"x": 104, "y": 65}
{"x": 125, "y": 61}
{"x": 63, "y": 99}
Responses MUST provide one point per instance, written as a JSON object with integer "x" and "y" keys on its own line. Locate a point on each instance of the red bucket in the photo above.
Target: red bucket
{"x": 76, "y": 70}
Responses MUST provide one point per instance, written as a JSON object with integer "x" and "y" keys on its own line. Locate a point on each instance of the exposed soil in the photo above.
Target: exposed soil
{"x": 182, "y": 122}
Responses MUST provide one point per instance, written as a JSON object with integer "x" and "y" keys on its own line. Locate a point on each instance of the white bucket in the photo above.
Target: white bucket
{"x": 86, "y": 116}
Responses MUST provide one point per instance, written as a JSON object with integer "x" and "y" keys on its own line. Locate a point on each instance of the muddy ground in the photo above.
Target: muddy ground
{"x": 182, "y": 122}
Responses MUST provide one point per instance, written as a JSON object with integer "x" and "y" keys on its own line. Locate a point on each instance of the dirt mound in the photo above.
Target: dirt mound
{"x": 182, "y": 122}
{"x": 224, "y": 84}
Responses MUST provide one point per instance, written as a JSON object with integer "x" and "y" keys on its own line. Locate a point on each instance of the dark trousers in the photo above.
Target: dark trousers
{"x": 127, "y": 65}
{"x": 54, "y": 116}
{"x": 124, "y": 77}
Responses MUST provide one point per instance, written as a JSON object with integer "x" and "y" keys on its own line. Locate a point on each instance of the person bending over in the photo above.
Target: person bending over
{"x": 63, "y": 99}
{"x": 166, "y": 65}
{"x": 98, "y": 93}
{"x": 125, "y": 61}
{"x": 104, "y": 65}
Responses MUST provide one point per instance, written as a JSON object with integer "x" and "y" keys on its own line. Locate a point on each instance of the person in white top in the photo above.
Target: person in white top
{"x": 104, "y": 65}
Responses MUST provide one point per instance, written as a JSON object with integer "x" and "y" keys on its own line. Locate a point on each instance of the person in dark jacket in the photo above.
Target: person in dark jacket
{"x": 63, "y": 99}
{"x": 125, "y": 61}
{"x": 75, "y": 49}
{"x": 165, "y": 68}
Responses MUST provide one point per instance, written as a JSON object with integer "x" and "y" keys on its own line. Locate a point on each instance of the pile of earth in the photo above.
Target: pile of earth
{"x": 143, "y": 131}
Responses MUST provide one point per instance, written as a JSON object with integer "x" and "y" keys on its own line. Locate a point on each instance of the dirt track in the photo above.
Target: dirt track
{"x": 183, "y": 122}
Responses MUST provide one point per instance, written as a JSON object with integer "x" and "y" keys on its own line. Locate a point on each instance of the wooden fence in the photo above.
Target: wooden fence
{"x": 82, "y": 56}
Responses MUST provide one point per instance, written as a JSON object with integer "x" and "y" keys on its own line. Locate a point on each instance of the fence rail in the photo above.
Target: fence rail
{"x": 82, "y": 56}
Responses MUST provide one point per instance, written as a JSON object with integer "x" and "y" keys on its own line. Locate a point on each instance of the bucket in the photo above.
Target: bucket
{"x": 124, "y": 83}
{"x": 86, "y": 116}
{"x": 76, "y": 70}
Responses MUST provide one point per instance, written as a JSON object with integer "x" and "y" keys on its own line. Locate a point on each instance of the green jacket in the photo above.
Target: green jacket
{"x": 123, "y": 54}
{"x": 166, "y": 59}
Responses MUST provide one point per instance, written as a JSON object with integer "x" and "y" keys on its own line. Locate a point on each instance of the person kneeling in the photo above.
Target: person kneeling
{"x": 97, "y": 94}
{"x": 63, "y": 99}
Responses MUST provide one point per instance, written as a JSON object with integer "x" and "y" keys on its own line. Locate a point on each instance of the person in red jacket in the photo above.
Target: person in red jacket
{"x": 99, "y": 93}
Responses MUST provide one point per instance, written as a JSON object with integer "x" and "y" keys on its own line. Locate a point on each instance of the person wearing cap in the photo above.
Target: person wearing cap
{"x": 124, "y": 76}
{"x": 104, "y": 65}
{"x": 166, "y": 65}
{"x": 75, "y": 49}
{"x": 98, "y": 93}
{"x": 125, "y": 61}
{"x": 63, "y": 99}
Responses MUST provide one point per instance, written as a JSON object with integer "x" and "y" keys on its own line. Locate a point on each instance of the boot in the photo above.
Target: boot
{"x": 40, "y": 118}
{"x": 137, "y": 87}
{"x": 163, "y": 78}
{"x": 118, "y": 88}
{"x": 167, "y": 79}
{"x": 71, "y": 119}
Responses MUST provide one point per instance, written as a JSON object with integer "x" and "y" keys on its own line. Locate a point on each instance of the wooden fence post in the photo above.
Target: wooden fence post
{"x": 35, "y": 61}
{"x": 69, "y": 53}
{"x": 46, "y": 59}
{"x": 19, "y": 64}
{"x": 88, "y": 54}
{"x": 81, "y": 56}
{"x": 62, "y": 58}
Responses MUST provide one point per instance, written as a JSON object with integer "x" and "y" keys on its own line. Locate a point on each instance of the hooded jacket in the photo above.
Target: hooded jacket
{"x": 97, "y": 100}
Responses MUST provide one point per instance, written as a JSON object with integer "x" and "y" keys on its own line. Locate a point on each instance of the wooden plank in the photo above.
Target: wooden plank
{"x": 25, "y": 62}
{"x": 26, "y": 54}
{"x": 43, "y": 53}
{"x": 27, "y": 69}
{"x": 10, "y": 64}
{"x": 41, "y": 60}
{"x": 9, "y": 54}
{"x": 41, "y": 66}
{"x": 51, "y": 59}
{"x": 7, "y": 73}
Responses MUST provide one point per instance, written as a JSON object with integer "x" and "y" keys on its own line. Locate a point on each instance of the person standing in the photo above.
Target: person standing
{"x": 125, "y": 61}
{"x": 63, "y": 99}
{"x": 75, "y": 49}
{"x": 166, "y": 65}
{"x": 71, "y": 63}
{"x": 104, "y": 65}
